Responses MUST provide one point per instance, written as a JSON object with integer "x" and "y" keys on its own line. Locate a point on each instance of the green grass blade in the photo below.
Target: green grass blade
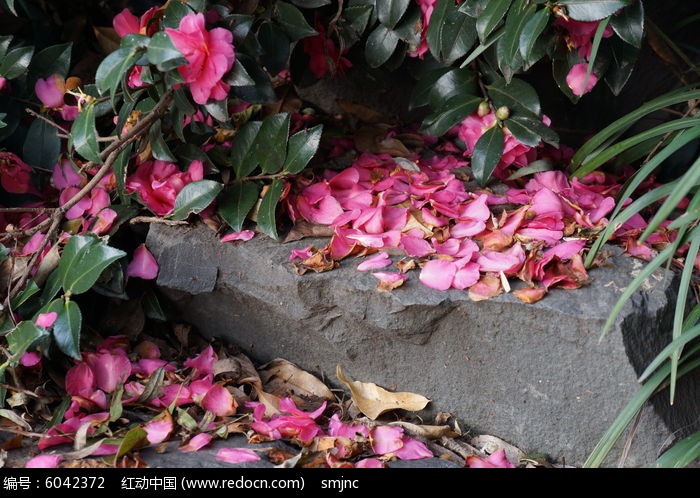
{"x": 482, "y": 47}
{"x": 668, "y": 351}
{"x": 682, "y": 453}
{"x": 693, "y": 317}
{"x": 622, "y": 124}
{"x": 597, "y": 38}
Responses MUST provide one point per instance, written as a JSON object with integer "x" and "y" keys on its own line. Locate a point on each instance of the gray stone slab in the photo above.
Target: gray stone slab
{"x": 535, "y": 375}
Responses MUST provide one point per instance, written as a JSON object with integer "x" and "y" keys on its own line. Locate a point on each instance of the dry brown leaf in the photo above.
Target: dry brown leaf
{"x": 427, "y": 431}
{"x": 87, "y": 463}
{"x": 491, "y": 444}
{"x": 361, "y": 112}
{"x": 406, "y": 265}
{"x": 271, "y": 402}
{"x": 13, "y": 443}
{"x": 530, "y": 295}
{"x": 319, "y": 263}
{"x": 387, "y": 286}
{"x": 415, "y": 220}
{"x": 277, "y": 455}
{"x": 373, "y": 400}
{"x": 302, "y": 229}
{"x": 373, "y": 139}
{"x": 284, "y": 378}
{"x": 48, "y": 264}
{"x": 182, "y": 332}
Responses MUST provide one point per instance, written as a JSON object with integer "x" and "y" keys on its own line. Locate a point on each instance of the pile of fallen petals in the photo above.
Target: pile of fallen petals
{"x": 207, "y": 397}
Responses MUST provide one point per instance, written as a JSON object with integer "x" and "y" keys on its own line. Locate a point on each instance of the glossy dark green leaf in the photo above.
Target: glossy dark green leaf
{"x": 159, "y": 148}
{"x": 381, "y": 44}
{"x": 491, "y": 17}
{"x": 521, "y": 12}
{"x": 195, "y": 197}
{"x": 486, "y": 155}
{"x": 357, "y": 18}
{"x": 218, "y": 110}
{"x": 83, "y": 135}
{"x": 51, "y": 288}
{"x": 16, "y": 62}
{"x": 623, "y": 60}
{"x": 174, "y": 12}
{"x": 52, "y": 60}
{"x": 113, "y": 69}
{"x": 134, "y": 40}
{"x": 452, "y": 33}
{"x": 163, "y": 53}
{"x": 115, "y": 404}
{"x": 516, "y": 95}
{"x": 23, "y": 336}
{"x": 238, "y": 76}
{"x": 267, "y": 219}
{"x": 293, "y": 21}
{"x": 455, "y": 82}
{"x": 31, "y": 289}
{"x": 592, "y": 10}
{"x": 270, "y": 145}
{"x": 390, "y": 12}
{"x": 240, "y": 25}
{"x": 66, "y": 328}
{"x": 154, "y": 387}
{"x": 301, "y": 148}
{"x": 136, "y": 437}
{"x": 5, "y": 44}
{"x": 530, "y": 131}
{"x": 236, "y": 202}
{"x": 4, "y": 252}
{"x": 531, "y": 32}
{"x": 450, "y": 113}
{"x": 10, "y": 5}
{"x": 243, "y": 160}
{"x": 152, "y": 307}
{"x": 423, "y": 88}
{"x": 83, "y": 260}
{"x": 311, "y": 4}
{"x": 473, "y": 8}
{"x": 275, "y": 45}
{"x": 629, "y": 24}
{"x": 259, "y": 93}
{"x": 42, "y": 145}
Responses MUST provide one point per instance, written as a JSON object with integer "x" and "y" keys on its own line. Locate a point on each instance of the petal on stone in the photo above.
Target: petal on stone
{"x": 237, "y": 455}
{"x": 438, "y": 274}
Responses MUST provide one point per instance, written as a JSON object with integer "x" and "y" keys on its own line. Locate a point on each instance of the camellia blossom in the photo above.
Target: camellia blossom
{"x": 143, "y": 265}
{"x": 51, "y": 91}
{"x": 577, "y": 77}
{"x": 496, "y": 460}
{"x": 159, "y": 182}
{"x": 126, "y": 23}
{"x": 15, "y": 174}
{"x": 64, "y": 175}
{"x": 426, "y": 8}
{"x": 210, "y": 55}
{"x": 237, "y": 455}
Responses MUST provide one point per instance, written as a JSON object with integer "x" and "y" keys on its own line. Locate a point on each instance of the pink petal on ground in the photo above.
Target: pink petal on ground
{"x": 106, "y": 449}
{"x": 370, "y": 463}
{"x": 577, "y": 77}
{"x": 438, "y": 274}
{"x": 390, "y": 279}
{"x": 304, "y": 253}
{"x": 386, "y": 439}
{"x": 476, "y": 209}
{"x": 379, "y": 260}
{"x": 170, "y": 393}
{"x": 159, "y": 430}
{"x": 413, "y": 449}
{"x": 219, "y": 401}
{"x": 545, "y": 202}
{"x": 29, "y": 359}
{"x": 497, "y": 460}
{"x": 508, "y": 261}
{"x": 46, "y": 319}
{"x": 487, "y": 287}
{"x": 143, "y": 265}
{"x": 416, "y": 247}
{"x": 110, "y": 369}
{"x": 565, "y": 250}
{"x": 146, "y": 366}
{"x": 43, "y": 462}
{"x": 466, "y": 276}
{"x": 203, "y": 363}
{"x": 289, "y": 406}
{"x": 337, "y": 428}
{"x": 549, "y": 237}
{"x": 33, "y": 243}
{"x": 530, "y": 294}
{"x": 80, "y": 380}
{"x": 244, "y": 235}
{"x": 198, "y": 442}
{"x": 467, "y": 228}
{"x": 99, "y": 397}
{"x": 237, "y": 455}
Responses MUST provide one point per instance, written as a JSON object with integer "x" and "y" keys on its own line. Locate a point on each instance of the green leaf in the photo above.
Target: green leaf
{"x": 120, "y": 169}
{"x": 357, "y": 18}
{"x": 5, "y": 44}
{"x": 623, "y": 60}
{"x": 218, "y": 110}
{"x": 113, "y": 69}
{"x": 51, "y": 288}
{"x": 487, "y": 152}
{"x": 491, "y": 17}
{"x": 482, "y": 47}
{"x": 31, "y": 289}
{"x": 450, "y": 33}
{"x": 681, "y": 454}
{"x": 195, "y": 197}
{"x": 115, "y": 405}
{"x": 133, "y": 40}
{"x": 243, "y": 158}
{"x": 267, "y": 220}
{"x": 473, "y": 8}
{"x": 516, "y": 96}
{"x": 537, "y": 166}
{"x": 519, "y": 15}
{"x": 238, "y": 76}
{"x": 83, "y": 135}
{"x": 529, "y": 131}
{"x": 301, "y": 148}
{"x": 159, "y": 148}
{"x": 311, "y": 4}
{"x": 10, "y": 5}
{"x": 66, "y": 328}
{"x": 16, "y": 62}
{"x": 531, "y": 32}
{"x": 629, "y": 24}
{"x": 83, "y": 260}
{"x": 275, "y": 45}
{"x": 23, "y": 336}
{"x": 174, "y": 13}
{"x": 42, "y": 145}
{"x": 259, "y": 93}
{"x": 592, "y": 10}
{"x": 136, "y": 437}
{"x": 236, "y": 202}
{"x": 423, "y": 88}
{"x": 595, "y": 46}
{"x": 449, "y": 114}
{"x": 154, "y": 386}
{"x": 4, "y": 252}
{"x": 152, "y": 307}
{"x": 270, "y": 145}
{"x": 240, "y": 25}
{"x": 381, "y": 43}
{"x": 52, "y": 60}
{"x": 293, "y": 21}
{"x": 390, "y": 12}
{"x": 163, "y": 53}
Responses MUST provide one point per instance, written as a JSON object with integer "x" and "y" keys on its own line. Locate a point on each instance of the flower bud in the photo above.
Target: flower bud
{"x": 502, "y": 113}
{"x": 483, "y": 109}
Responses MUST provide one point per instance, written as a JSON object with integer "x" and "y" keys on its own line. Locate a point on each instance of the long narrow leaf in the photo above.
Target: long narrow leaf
{"x": 597, "y": 38}
{"x": 682, "y": 453}
{"x": 668, "y": 351}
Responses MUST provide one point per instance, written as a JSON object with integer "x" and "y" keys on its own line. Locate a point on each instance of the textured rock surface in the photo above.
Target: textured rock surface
{"x": 535, "y": 375}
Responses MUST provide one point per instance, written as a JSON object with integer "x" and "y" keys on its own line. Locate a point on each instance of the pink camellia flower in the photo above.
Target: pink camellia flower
{"x": 237, "y": 455}
{"x": 30, "y": 358}
{"x": 15, "y": 174}
{"x": 577, "y": 77}
{"x": 198, "y": 442}
{"x": 51, "y": 91}
{"x": 144, "y": 265}
{"x": 497, "y": 460}
{"x": 376, "y": 262}
{"x": 46, "y": 319}
{"x": 43, "y": 462}
{"x": 244, "y": 235}
{"x": 126, "y": 23}
{"x": 209, "y": 54}
{"x": 580, "y": 34}
{"x": 3, "y": 83}
{"x": 159, "y": 182}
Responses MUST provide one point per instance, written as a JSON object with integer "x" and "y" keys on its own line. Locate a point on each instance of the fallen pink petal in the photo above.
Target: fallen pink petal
{"x": 143, "y": 265}
{"x": 159, "y": 430}
{"x": 244, "y": 235}
{"x": 413, "y": 449}
{"x": 30, "y": 358}
{"x": 376, "y": 262}
{"x": 43, "y": 462}
{"x": 497, "y": 460}
{"x": 197, "y": 442}
{"x": 219, "y": 401}
{"x": 237, "y": 455}
{"x": 369, "y": 463}
{"x": 386, "y": 439}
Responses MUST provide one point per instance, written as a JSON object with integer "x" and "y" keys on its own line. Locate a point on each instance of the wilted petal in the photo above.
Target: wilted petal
{"x": 144, "y": 265}
{"x": 379, "y": 260}
{"x": 416, "y": 247}
{"x": 33, "y": 243}
{"x": 46, "y": 319}
{"x": 487, "y": 287}
{"x": 304, "y": 253}
{"x": 565, "y": 250}
{"x": 413, "y": 449}
{"x": 43, "y": 462}
{"x": 158, "y": 430}
{"x": 146, "y": 366}
{"x": 219, "y": 401}
{"x": 530, "y": 294}
{"x": 203, "y": 363}
{"x": 497, "y": 460}
{"x": 237, "y": 455}
{"x": 370, "y": 463}
{"x": 337, "y": 428}
{"x": 198, "y": 442}
{"x": 386, "y": 439}
{"x": 389, "y": 281}
{"x": 244, "y": 235}
{"x": 438, "y": 274}
{"x": 80, "y": 380}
